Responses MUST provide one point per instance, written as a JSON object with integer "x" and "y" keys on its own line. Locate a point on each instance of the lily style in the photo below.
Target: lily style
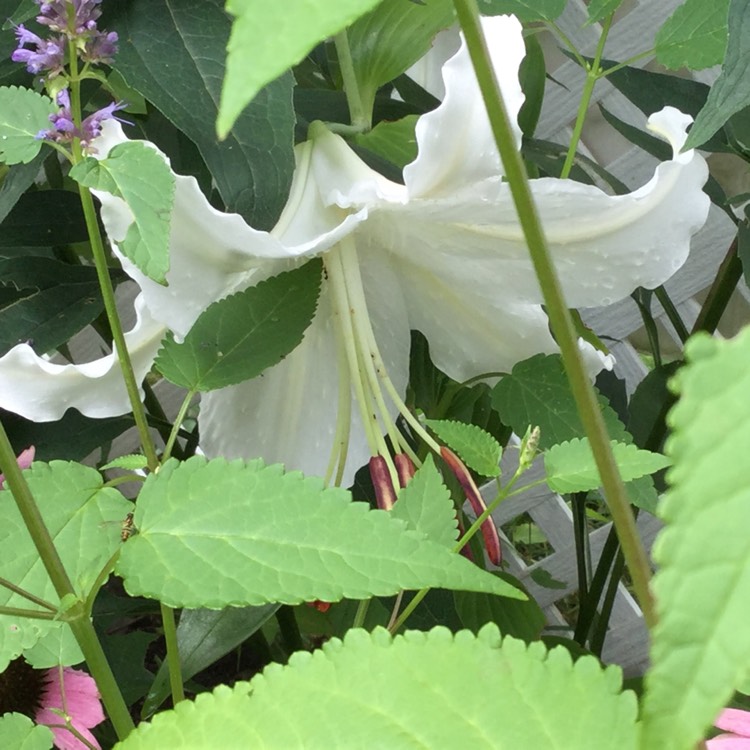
{"x": 443, "y": 253}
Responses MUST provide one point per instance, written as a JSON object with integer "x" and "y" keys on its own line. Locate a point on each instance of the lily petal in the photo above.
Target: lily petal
{"x": 456, "y": 146}
{"x": 40, "y": 390}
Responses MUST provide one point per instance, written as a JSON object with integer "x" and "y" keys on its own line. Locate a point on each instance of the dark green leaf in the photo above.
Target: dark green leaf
{"x": 598, "y": 9}
{"x": 649, "y": 405}
{"x": 17, "y": 180}
{"x": 526, "y": 10}
{"x": 173, "y": 53}
{"x": 44, "y": 218}
{"x": 532, "y": 74}
{"x": 394, "y": 141}
{"x": 238, "y": 337}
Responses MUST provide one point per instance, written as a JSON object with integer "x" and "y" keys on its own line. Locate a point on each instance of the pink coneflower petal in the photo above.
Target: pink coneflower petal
{"x": 728, "y": 742}
{"x": 734, "y": 720}
{"x": 24, "y": 461}
{"x": 81, "y": 702}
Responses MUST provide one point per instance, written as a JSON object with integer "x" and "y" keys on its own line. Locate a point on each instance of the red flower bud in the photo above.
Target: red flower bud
{"x": 385, "y": 495}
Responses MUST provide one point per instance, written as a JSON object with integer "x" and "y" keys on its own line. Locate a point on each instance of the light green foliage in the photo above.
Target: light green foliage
{"x": 391, "y": 38}
{"x": 23, "y": 113}
{"x": 731, "y": 92}
{"x": 255, "y": 57}
{"x": 599, "y": 9}
{"x": 477, "y": 449}
{"x": 394, "y": 141}
{"x": 571, "y": 467}
{"x": 695, "y": 36}
{"x": 131, "y": 462}
{"x": 216, "y": 534}
{"x": 701, "y": 644}
{"x": 426, "y": 506}
{"x": 138, "y": 175}
{"x": 526, "y": 10}
{"x": 18, "y": 732}
{"x": 84, "y": 521}
{"x": 420, "y": 690}
{"x": 238, "y": 337}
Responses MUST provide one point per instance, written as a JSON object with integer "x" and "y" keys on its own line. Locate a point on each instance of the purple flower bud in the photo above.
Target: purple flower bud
{"x": 48, "y": 55}
{"x": 55, "y": 15}
{"x": 101, "y": 47}
{"x": 92, "y": 125}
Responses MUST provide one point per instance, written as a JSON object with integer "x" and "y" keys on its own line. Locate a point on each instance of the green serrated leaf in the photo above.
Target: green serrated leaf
{"x": 695, "y": 35}
{"x": 525, "y": 10}
{"x": 139, "y": 175}
{"x": 216, "y": 534}
{"x": 391, "y": 38}
{"x": 238, "y": 337}
{"x": 701, "y": 645}
{"x": 131, "y": 462}
{"x": 731, "y": 91}
{"x": 23, "y": 113}
{"x": 19, "y": 732}
{"x": 174, "y": 54}
{"x": 426, "y": 506}
{"x": 598, "y": 9}
{"x": 83, "y": 519}
{"x": 571, "y": 467}
{"x": 537, "y": 392}
{"x": 426, "y": 690}
{"x": 476, "y": 448}
{"x": 394, "y": 141}
{"x": 255, "y": 57}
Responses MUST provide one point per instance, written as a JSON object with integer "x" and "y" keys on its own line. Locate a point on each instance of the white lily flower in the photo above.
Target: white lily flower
{"x": 443, "y": 253}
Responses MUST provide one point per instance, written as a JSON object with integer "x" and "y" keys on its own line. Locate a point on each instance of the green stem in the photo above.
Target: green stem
{"x": 173, "y": 653}
{"x": 5, "y": 583}
{"x": 672, "y": 314}
{"x": 31, "y": 614}
{"x": 179, "y": 419}
{"x": 361, "y": 613}
{"x": 77, "y": 618}
{"x": 105, "y": 282}
{"x": 361, "y": 121}
{"x": 593, "y": 73}
{"x": 727, "y": 278}
{"x": 289, "y": 628}
{"x": 626, "y": 63}
{"x": 560, "y": 319}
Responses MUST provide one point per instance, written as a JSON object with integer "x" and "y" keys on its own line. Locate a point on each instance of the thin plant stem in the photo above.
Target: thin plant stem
{"x": 580, "y": 536}
{"x": 396, "y": 607}
{"x": 179, "y": 419}
{"x": 359, "y": 117}
{"x": 727, "y": 278}
{"x": 566, "y": 40}
{"x": 560, "y": 319}
{"x": 642, "y": 300}
{"x": 361, "y": 613}
{"x": 626, "y": 63}
{"x": 5, "y": 583}
{"x": 593, "y": 73}
{"x": 289, "y": 628}
{"x": 31, "y": 614}
{"x": 105, "y": 282}
{"x": 602, "y": 623}
{"x": 173, "y": 653}
{"x": 674, "y": 317}
{"x": 76, "y": 616}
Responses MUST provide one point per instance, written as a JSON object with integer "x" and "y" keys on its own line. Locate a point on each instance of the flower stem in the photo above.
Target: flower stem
{"x": 361, "y": 121}
{"x": 179, "y": 419}
{"x": 593, "y": 73}
{"x": 560, "y": 319}
{"x": 77, "y": 618}
{"x": 31, "y": 614}
{"x": 173, "y": 653}
{"x": 5, "y": 583}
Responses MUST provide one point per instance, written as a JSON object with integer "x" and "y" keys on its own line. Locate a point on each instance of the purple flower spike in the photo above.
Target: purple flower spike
{"x": 55, "y": 16}
{"x": 92, "y": 125}
{"x": 48, "y": 55}
{"x": 101, "y": 47}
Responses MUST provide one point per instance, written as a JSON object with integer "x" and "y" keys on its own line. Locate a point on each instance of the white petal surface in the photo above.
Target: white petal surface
{"x": 456, "y": 146}
{"x": 428, "y": 70}
{"x": 42, "y": 391}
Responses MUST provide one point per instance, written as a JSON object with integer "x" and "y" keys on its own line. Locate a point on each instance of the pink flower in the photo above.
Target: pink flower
{"x": 737, "y": 724}
{"x": 75, "y": 704}
{"x": 24, "y": 461}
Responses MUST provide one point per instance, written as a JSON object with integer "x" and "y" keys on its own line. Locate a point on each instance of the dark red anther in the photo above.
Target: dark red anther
{"x": 404, "y": 468}
{"x": 489, "y": 532}
{"x": 319, "y": 605}
{"x": 385, "y": 495}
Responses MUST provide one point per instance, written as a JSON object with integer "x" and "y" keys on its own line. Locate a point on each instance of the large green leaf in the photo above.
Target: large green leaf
{"x": 23, "y": 113}
{"x": 18, "y": 178}
{"x": 83, "y": 519}
{"x": 19, "y": 732}
{"x": 393, "y": 140}
{"x": 45, "y": 301}
{"x": 731, "y": 92}
{"x": 426, "y": 506}
{"x": 421, "y": 690}
{"x": 216, "y": 534}
{"x": 255, "y": 56}
{"x": 238, "y": 337}
{"x": 173, "y": 53}
{"x": 139, "y": 175}
{"x": 701, "y": 643}
{"x": 695, "y": 36}
{"x": 598, "y": 9}
{"x": 537, "y": 393}
{"x": 43, "y": 218}
{"x": 570, "y": 466}
{"x": 391, "y": 38}
{"x": 203, "y": 637}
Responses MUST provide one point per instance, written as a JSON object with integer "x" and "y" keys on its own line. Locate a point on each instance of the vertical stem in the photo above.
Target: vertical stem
{"x": 727, "y": 278}
{"x": 173, "y": 653}
{"x": 79, "y": 622}
{"x": 179, "y": 419}
{"x": 562, "y": 326}
{"x": 289, "y": 628}
{"x": 593, "y": 73}
{"x": 360, "y": 118}
{"x": 361, "y": 613}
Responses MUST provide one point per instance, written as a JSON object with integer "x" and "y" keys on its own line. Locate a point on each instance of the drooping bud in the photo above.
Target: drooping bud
{"x": 529, "y": 448}
{"x": 385, "y": 495}
{"x": 489, "y": 532}
{"x": 404, "y": 468}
